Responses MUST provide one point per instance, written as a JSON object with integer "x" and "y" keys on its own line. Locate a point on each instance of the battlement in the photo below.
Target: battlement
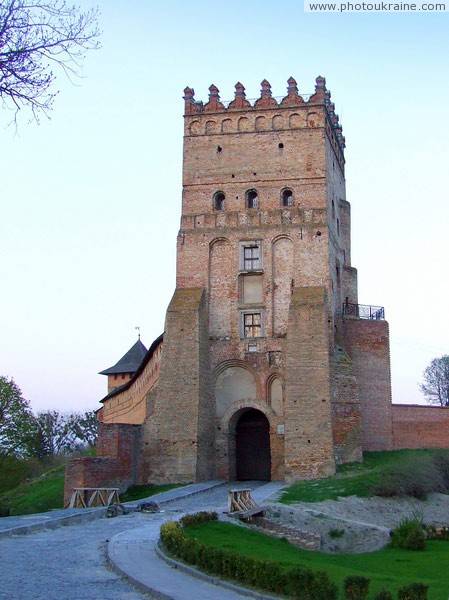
{"x": 293, "y": 100}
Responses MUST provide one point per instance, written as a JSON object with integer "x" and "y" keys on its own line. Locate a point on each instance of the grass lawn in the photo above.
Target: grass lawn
{"x": 389, "y": 568}
{"x": 356, "y": 479}
{"x": 47, "y": 491}
{"x": 137, "y": 492}
{"x": 39, "y": 495}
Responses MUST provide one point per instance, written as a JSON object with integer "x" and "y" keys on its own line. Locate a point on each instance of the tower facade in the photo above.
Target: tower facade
{"x": 255, "y": 380}
{"x": 268, "y": 367}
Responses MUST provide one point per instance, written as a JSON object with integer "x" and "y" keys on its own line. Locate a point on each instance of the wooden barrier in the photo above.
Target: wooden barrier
{"x": 242, "y": 505}
{"x": 89, "y": 497}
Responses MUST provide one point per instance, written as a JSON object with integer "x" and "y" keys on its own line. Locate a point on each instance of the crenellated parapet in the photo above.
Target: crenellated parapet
{"x": 293, "y": 111}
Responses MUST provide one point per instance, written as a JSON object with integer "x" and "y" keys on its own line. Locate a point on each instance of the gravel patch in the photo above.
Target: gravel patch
{"x": 357, "y": 525}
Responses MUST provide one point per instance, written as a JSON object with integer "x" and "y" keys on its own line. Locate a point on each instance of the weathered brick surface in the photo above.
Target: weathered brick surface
{"x": 297, "y": 537}
{"x": 178, "y": 442}
{"x": 115, "y": 465}
{"x": 417, "y": 426}
{"x": 346, "y": 411}
{"x": 309, "y": 451}
{"x": 367, "y": 343}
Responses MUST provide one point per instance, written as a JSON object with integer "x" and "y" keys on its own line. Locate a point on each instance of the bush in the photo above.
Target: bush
{"x": 300, "y": 582}
{"x": 414, "y": 591}
{"x": 384, "y": 595}
{"x": 409, "y": 534}
{"x": 417, "y": 478}
{"x": 311, "y": 585}
{"x": 336, "y": 533}
{"x": 356, "y": 587}
{"x": 197, "y": 518}
{"x": 441, "y": 461}
{"x": 173, "y": 537}
{"x": 436, "y": 533}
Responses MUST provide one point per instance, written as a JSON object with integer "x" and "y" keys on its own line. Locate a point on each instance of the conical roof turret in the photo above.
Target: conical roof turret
{"x": 129, "y": 363}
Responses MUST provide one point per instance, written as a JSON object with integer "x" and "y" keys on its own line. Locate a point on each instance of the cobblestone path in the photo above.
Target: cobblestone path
{"x": 69, "y": 563}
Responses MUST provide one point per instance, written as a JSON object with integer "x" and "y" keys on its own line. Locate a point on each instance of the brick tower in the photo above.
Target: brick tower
{"x": 262, "y": 376}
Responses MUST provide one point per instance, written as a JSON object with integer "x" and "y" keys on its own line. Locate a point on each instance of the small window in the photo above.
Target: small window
{"x": 252, "y": 325}
{"x": 219, "y": 201}
{"x": 250, "y": 256}
{"x": 252, "y": 199}
{"x": 287, "y": 198}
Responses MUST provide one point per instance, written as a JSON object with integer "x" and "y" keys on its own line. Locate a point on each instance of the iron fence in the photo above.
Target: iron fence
{"x": 363, "y": 311}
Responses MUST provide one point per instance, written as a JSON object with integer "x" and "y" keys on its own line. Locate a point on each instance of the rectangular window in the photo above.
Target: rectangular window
{"x": 250, "y": 256}
{"x": 252, "y": 325}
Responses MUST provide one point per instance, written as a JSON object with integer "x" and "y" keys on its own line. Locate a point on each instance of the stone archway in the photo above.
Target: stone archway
{"x": 252, "y": 451}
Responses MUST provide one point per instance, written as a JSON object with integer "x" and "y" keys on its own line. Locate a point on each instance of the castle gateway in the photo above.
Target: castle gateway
{"x": 269, "y": 368}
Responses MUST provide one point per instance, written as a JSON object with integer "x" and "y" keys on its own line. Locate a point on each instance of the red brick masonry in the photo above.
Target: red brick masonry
{"x": 416, "y": 426}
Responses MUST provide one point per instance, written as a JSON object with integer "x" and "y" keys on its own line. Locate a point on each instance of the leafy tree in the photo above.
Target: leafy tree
{"x": 53, "y": 434}
{"x": 36, "y": 35}
{"x": 56, "y": 433}
{"x": 16, "y": 420}
{"x": 86, "y": 428}
{"x": 436, "y": 381}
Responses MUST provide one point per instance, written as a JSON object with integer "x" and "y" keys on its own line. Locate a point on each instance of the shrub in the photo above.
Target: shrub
{"x": 409, "y": 534}
{"x": 300, "y": 582}
{"x": 272, "y": 577}
{"x": 197, "y": 518}
{"x": 173, "y": 537}
{"x": 384, "y": 595}
{"x": 336, "y": 533}
{"x": 311, "y": 585}
{"x": 418, "y": 478}
{"x": 441, "y": 461}
{"x": 436, "y": 533}
{"x": 414, "y": 591}
{"x": 356, "y": 587}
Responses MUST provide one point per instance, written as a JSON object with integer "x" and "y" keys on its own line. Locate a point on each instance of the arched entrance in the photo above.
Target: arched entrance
{"x": 252, "y": 438}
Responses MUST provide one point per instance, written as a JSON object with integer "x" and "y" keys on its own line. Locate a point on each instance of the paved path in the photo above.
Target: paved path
{"x": 68, "y": 563}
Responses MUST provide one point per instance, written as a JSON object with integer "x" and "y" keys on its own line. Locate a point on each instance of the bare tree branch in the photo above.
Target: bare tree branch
{"x": 436, "y": 381}
{"x": 33, "y": 37}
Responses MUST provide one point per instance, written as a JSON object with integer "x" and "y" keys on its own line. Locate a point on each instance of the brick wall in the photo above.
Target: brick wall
{"x": 309, "y": 451}
{"x": 417, "y": 426}
{"x": 346, "y": 411}
{"x": 178, "y": 443}
{"x": 115, "y": 465}
{"x": 367, "y": 343}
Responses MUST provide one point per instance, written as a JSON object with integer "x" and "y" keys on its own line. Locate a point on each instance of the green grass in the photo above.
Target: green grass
{"x": 137, "y": 492}
{"x": 389, "y": 568}
{"x": 356, "y": 479}
{"x": 47, "y": 492}
{"x": 39, "y": 495}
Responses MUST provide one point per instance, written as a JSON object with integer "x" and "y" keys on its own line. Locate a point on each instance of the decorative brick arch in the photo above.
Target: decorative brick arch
{"x": 220, "y": 288}
{"x": 244, "y": 386}
{"x": 275, "y": 403}
{"x": 229, "y": 419}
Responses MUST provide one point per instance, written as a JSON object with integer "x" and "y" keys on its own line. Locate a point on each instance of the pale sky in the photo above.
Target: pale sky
{"x": 91, "y": 199}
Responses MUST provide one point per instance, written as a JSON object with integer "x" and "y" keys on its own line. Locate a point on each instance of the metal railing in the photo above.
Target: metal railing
{"x": 363, "y": 311}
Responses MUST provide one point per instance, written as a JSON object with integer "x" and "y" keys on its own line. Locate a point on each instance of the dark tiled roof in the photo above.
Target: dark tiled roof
{"x": 128, "y": 363}
{"x": 138, "y": 371}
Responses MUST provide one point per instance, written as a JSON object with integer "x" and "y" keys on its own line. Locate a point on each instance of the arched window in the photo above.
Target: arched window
{"x": 287, "y": 198}
{"x": 252, "y": 199}
{"x": 333, "y": 210}
{"x": 219, "y": 201}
